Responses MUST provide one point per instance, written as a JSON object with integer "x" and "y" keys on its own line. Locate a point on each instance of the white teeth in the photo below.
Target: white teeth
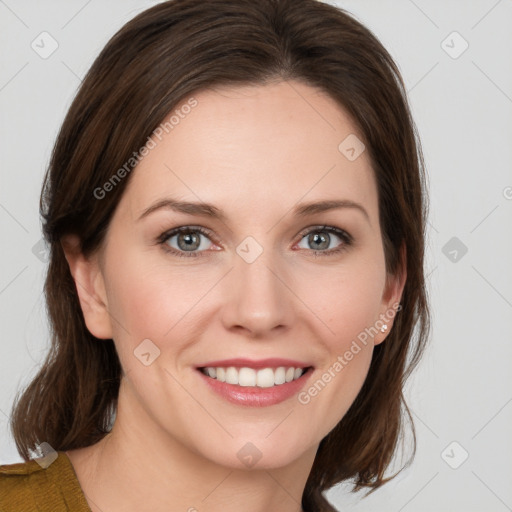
{"x": 280, "y": 375}
{"x": 232, "y": 375}
{"x": 246, "y": 377}
{"x": 263, "y": 378}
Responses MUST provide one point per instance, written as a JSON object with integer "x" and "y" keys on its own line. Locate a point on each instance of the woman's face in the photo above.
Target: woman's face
{"x": 259, "y": 281}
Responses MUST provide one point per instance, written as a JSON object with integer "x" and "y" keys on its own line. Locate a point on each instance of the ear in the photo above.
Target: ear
{"x": 391, "y": 298}
{"x": 90, "y": 287}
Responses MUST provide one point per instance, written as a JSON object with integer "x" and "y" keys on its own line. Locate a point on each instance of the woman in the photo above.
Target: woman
{"x": 235, "y": 207}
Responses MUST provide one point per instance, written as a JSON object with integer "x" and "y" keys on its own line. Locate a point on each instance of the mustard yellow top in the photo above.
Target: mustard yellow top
{"x": 29, "y": 487}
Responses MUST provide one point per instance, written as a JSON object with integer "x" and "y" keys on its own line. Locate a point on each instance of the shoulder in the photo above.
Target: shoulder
{"x": 16, "y": 482}
{"x": 40, "y": 485}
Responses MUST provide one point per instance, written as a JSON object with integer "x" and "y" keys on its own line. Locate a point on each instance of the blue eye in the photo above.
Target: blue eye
{"x": 188, "y": 241}
{"x": 322, "y": 236}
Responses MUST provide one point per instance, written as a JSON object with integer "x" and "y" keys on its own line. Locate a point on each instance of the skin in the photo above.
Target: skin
{"x": 254, "y": 152}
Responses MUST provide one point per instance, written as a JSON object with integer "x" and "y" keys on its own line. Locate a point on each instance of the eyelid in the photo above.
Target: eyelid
{"x": 339, "y": 232}
{"x": 166, "y": 235}
{"x": 330, "y": 229}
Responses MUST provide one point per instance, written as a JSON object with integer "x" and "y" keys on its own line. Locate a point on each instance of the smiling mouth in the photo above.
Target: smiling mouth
{"x": 250, "y": 377}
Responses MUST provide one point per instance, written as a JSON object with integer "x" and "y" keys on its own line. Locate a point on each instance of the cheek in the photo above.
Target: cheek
{"x": 137, "y": 300}
{"x": 349, "y": 348}
{"x": 346, "y": 298}
{"x": 348, "y": 301}
{"x": 150, "y": 299}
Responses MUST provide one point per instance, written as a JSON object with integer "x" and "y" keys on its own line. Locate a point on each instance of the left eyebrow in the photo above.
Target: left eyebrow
{"x": 210, "y": 210}
{"x": 302, "y": 210}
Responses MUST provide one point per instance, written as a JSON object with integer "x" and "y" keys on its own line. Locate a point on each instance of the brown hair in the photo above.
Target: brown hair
{"x": 155, "y": 61}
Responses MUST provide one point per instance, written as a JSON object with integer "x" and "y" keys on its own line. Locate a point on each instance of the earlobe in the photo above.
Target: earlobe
{"x": 391, "y": 298}
{"x": 90, "y": 287}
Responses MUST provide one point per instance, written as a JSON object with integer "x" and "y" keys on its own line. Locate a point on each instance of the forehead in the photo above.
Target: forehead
{"x": 265, "y": 145}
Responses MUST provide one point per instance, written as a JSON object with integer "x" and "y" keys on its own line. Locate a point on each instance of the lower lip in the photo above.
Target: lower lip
{"x": 254, "y": 396}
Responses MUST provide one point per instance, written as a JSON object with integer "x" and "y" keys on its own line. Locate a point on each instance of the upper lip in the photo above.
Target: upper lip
{"x": 251, "y": 363}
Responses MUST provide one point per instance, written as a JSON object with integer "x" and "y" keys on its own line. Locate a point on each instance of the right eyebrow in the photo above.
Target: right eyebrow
{"x": 187, "y": 207}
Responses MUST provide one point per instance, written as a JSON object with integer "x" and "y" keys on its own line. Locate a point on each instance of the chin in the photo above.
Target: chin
{"x": 258, "y": 451}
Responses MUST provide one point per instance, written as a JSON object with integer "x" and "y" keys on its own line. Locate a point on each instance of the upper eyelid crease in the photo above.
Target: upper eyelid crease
{"x": 209, "y": 210}
{"x": 207, "y": 232}
{"x": 341, "y": 233}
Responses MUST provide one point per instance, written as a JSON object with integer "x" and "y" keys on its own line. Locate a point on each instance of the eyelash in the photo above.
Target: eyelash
{"x": 343, "y": 235}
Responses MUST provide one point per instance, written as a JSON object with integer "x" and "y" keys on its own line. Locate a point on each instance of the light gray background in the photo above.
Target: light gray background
{"x": 463, "y": 108}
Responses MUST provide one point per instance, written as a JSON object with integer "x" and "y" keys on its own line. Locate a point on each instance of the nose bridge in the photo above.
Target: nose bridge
{"x": 258, "y": 299}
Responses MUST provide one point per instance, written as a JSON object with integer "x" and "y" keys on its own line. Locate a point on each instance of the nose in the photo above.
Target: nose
{"x": 258, "y": 299}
